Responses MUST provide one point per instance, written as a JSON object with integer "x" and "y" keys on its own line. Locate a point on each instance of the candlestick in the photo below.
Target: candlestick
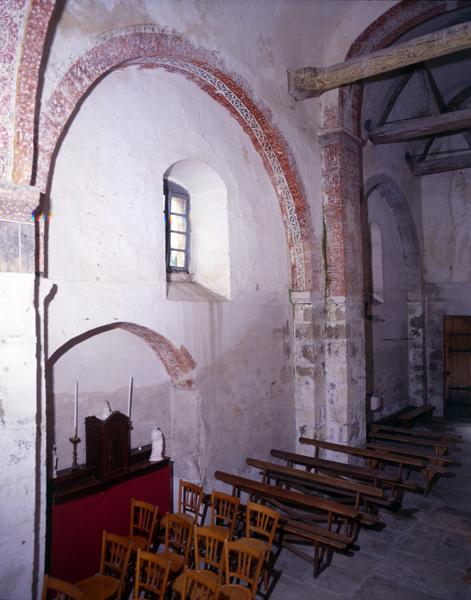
{"x": 74, "y": 441}
{"x": 130, "y": 397}
{"x": 76, "y": 409}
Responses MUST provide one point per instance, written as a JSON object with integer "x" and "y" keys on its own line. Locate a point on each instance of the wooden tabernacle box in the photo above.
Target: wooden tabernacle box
{"x": 108, "y": 443}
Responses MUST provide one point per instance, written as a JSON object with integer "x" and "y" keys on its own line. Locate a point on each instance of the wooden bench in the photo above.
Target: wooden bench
{"x": 376, "y": 459}
{"x": 344, "y": 517}
{"x": 341, "y": 522}
{"x": 445, "y": 437}
{"x": 434, "y": 459}
{"x": 409, "y": 418}
{"x": 438, "y": 448}
{"x": 393, "y": 418}
{"x": 293, "y": 533}
{"x": 393, "y": 486}
{"x": 364, "y": 498}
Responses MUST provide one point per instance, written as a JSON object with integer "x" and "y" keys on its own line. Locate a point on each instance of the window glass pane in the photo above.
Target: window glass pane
{"x": 177, "y": 241}
{"x": 177, "y": 223}
{"x": 178, "y": 205}
{"x": 177, "y": 259}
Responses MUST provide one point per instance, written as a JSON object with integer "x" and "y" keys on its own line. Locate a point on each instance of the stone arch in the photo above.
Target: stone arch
{"x": 178, "y": 363}
{"x": 151, "y": 47}
{"x": 37, "y": 22}
{"x": 395, "y": 199}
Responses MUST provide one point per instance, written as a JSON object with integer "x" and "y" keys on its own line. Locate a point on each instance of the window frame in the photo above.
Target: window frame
{"x": 172, "y": 189}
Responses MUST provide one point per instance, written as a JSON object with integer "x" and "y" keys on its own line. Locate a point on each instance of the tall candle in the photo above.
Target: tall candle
{"x": 130, "y": 397}
{"x": 76, "y": 409}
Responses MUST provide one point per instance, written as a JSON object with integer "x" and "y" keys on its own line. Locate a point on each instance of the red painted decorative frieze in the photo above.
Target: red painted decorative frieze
{"x": 37, "y": 22}
{"x": 340, "y": 188}
{"x": 148, "y": 46}
{"x": 12, "y": 16}
{"x": 17, "y": 202}
{"x": 178, "y": 363}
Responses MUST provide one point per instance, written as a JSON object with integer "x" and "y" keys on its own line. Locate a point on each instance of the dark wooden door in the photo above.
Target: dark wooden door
{"x": 458, "y": 367}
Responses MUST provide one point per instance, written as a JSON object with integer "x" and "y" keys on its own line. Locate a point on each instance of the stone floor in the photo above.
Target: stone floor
{"x": 421, "y": 554}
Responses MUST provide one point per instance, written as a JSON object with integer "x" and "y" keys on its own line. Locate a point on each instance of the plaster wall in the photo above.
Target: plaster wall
{"x": 389, "y": 318}
{"x": 446, "y": 206}
{"x": 106, "y": 255}
{"x": 20, "y": 450}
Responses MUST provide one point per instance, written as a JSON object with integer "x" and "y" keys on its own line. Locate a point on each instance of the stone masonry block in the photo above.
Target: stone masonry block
{"x": 9, "y": 247}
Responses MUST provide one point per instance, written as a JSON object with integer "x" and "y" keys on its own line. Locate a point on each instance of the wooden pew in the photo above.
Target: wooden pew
{"x": 393, "y": 485}
{"x": 444, "y": 437}
{"x": 365, "y": 498}
{"x": 409, "y": 418}
{"x": 295, "y": 521}
{"x": 323, "y": 545}
{"x": 332, "y": 513}
{"x": 433, "y": 459}
{"x": 438, "y": 448}
{"x": 377, "y": 459}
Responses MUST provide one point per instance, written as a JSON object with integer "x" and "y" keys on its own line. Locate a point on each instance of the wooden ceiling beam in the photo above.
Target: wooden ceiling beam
{"x": 441, "y": 165}
{"x": 311, "y": 81}
{"x": 412, "y": 129}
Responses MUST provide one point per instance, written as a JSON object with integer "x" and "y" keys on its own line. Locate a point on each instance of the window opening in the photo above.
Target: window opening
{"x": 177, "y": 205}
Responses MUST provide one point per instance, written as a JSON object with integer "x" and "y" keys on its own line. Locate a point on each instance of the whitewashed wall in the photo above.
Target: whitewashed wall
{"x": 106, "y": 256}
{"x": 446, "y": 207}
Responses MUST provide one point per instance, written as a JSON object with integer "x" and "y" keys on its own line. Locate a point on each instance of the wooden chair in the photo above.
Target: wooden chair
{"x": 143, "y": 521}
{"x": 152, "y": 572}
{"x": 110, "y": 581}
{"x": 209, "y": 555}
{"x": 57, "y": 589}
{"x": 233, "y": 592}
{"x": 198, "y": 585}
{"x": 242, "y": 563}
{"x": 178, "y": 538}
{"x": 190, "y": 498}
{"x": 224, "y": 511}
{"x": 260, "y": 528}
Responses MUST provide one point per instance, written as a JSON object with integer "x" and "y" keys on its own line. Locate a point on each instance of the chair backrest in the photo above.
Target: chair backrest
{"x": 242, "y": 562}
{"x": 209, "y": 549}
{"x": 224, "y": 510}
{"x": 190, "y": 497}
{"x": 151, "y": 577}
{"x": 233, "y": 591}
{"x": 58, "y": 589}
{"x": 198, "y": 585}
{"x": 143, "y": 519}
{"x": 261, "y": 522}
{"x": 115, "y": 553}
{"x": 178, "y": 535}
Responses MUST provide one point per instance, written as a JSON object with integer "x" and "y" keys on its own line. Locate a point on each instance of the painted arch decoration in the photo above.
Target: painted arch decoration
{"x": 147, "y": 44}
{"x": 178, "y": 362}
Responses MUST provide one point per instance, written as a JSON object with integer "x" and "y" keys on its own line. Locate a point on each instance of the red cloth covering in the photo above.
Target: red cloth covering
{"x": 77, "y": 526}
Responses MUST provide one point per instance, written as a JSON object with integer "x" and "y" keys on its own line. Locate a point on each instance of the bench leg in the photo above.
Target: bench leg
{"x": 322, "y": 558}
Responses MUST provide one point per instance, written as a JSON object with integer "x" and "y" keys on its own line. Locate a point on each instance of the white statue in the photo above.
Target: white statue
{"x": 157, "y": 444}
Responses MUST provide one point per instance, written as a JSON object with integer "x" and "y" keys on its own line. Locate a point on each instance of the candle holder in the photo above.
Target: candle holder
{"x": 74, "y": 440}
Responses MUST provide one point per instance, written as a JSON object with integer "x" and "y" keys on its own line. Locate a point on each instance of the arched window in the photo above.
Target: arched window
{"x": 177, "y": 223}
{"x": 197, "y": 232}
